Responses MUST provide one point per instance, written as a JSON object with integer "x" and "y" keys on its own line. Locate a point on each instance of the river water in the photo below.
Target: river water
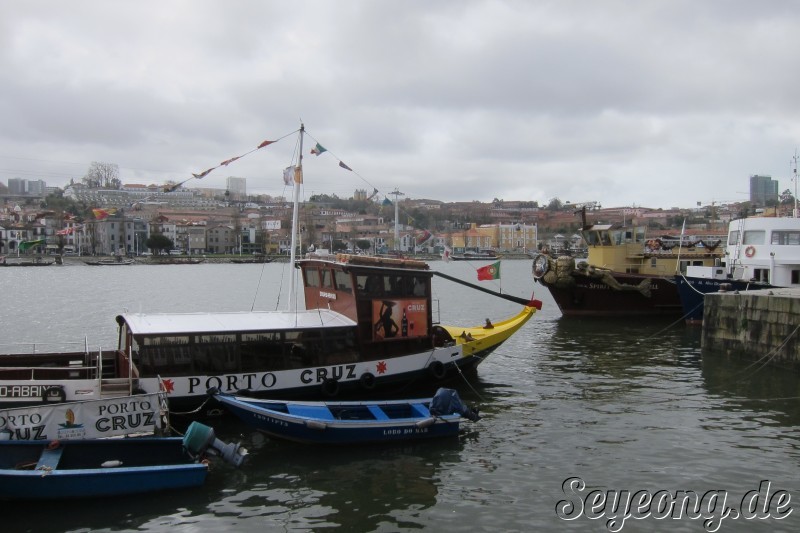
{"x": 617, "y": 406}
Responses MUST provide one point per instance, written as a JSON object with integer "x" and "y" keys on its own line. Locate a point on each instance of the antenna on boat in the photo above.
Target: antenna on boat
{"x": 298, "y": 180}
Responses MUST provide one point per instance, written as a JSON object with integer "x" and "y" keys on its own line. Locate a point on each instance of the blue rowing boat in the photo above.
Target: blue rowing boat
{"x": 352, "y": 422}
{"x": 87, "y": 468}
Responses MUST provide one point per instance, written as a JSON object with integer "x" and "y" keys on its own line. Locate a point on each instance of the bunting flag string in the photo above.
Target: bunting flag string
{"x": 225, "y": 163}
{"x": 319, "y": 150}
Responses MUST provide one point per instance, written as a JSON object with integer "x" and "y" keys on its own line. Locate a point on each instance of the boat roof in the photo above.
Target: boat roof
{"x": 186, "y": 323}
{"x": 365, "y": 261}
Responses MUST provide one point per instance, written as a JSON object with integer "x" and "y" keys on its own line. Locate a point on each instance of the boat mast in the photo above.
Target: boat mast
{"x": 794, "y": 160}
{"x": 298, "y": 179}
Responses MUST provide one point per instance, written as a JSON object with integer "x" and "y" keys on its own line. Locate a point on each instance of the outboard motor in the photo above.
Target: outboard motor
{"x": 448, "y": 402}
{"x": 201, "y": 439}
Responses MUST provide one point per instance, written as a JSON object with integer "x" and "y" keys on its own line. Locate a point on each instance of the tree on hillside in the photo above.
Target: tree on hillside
{"x": 105, "y": 175}
{"x": 554, "y": 205}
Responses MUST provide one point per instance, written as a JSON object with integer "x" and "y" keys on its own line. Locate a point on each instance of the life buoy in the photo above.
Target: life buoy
{"x": 437, "y": 369}
{"x": 54, "y": 395}
{"x": 367, "y": 381}
{"x": 750, "y": 251}
{"x": 330, "y": 387}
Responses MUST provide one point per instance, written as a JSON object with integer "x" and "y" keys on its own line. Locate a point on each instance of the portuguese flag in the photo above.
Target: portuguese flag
{"x": 489, "y": 272}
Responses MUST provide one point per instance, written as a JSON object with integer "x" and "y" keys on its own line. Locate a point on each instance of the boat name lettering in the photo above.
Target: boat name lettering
{"x": 329, "y": 295}
{"x": 28, "y": 432}
{"x": 117, "y": 408}
{"x": 405, "y": 431}
{"x": 270, "y": 420}
{"x": 132, "y": 421}
{"x": 23, "y": 391}
{"x": 334, "y": 372}
{"x": 20, "y": 420}
{"x": 232, "y": 383}
{"x": 416, "y": 307}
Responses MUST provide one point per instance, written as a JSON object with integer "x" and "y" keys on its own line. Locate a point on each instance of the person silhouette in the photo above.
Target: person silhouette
{"x": 385, "y": 320}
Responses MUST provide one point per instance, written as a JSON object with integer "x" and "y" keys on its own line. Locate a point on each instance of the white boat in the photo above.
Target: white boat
{"x": 368, "y": 327}
{"x": 762, "y": 252}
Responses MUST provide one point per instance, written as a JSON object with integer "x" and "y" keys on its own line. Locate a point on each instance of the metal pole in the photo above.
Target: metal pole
{"x": 396, "y": 193}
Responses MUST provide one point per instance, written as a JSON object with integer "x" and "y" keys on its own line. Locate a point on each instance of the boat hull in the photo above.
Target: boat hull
{"x": 692, "y": 291}
{"x": 584, "y": 296}
{"x": 314, "y": 423}
{"x": 147, "y": 465}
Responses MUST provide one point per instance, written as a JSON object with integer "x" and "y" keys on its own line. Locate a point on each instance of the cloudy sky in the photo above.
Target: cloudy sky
{"x": 656, "y": 104}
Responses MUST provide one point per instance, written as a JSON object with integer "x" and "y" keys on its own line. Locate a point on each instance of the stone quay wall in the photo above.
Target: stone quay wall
{"x": 762, "y": 325}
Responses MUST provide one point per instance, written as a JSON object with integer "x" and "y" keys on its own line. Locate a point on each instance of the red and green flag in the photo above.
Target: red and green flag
{"x": 489, "y": 272}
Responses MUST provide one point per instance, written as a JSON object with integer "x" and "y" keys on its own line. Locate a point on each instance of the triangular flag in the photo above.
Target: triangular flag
{"x": 318, "y": 149}
{"x": 204, "y": 173}
{"x": 265, "y": 143}
{"x": 231, "y": 160}
{"x": 341, "y": 164}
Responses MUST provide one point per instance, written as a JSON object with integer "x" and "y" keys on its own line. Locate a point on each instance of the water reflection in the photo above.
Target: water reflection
{"x": 352, "y": 488}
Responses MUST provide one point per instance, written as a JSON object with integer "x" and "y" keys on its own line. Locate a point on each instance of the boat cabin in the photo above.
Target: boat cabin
{"x": 630, "y": 250}
{"x": 389, "y": 299}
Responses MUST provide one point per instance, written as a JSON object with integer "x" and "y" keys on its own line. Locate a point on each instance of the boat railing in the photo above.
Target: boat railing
{"x": 435, "y": 311}
{"x": 44, "y": 347}
{"x": 72, "y": 371}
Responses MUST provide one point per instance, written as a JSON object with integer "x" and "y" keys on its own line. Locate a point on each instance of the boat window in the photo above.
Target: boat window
{"x": 326, "y": 278}
{"x": 795, "y": 277}
{"x": 419, "y": 286}
{"x": 343, "y": 281}
{"x": 321, "y": 348}
{"x": 590, "y": 237}
{"x": 168, "y": 352}
{"x": 733, "y": 238}
{"x": 786, "y": 237}
{"x": 394, "y": 285}
{"x": 605, "y": 239}
{"x": 754, "y": 237}
{"x": 258, "y": 351}
{"x": 761, "y": 274}
{"x": 639, "y": 234}
{"x": 312, "y": 277}
{"x": 370, "y": 284}
{"x": 215, "y": 353}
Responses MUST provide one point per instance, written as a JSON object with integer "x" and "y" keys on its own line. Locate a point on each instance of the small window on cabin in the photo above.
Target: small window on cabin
{"x": 343, "y": 282}
{"x": 795, "y": 277}
{"x": 754, "y": 237}
{"x": 733, "y": 238}
{"x": 312, "y": 277}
